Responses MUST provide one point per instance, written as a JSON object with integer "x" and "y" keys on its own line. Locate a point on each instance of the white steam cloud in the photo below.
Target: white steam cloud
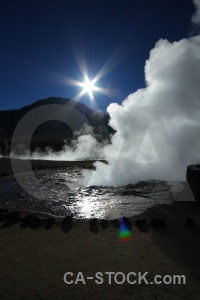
{"x": 171, "y": 141}
{"x": 85, "y": 145}
{"x": 157, "y": 128}
{"x": 196, "y": 16}
{"x": 83, "y": 148}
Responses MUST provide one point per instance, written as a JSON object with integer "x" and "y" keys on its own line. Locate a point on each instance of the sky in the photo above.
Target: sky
{"x": 46, "y": 44}
{"x": 146, "y": 55}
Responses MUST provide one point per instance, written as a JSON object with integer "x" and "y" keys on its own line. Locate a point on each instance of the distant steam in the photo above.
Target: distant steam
{"x": 196, "y": 16}
{"x": 85, "y": 145}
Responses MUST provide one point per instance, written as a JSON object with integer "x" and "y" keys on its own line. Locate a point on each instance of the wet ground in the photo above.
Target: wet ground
{"x": 59, "y": 193}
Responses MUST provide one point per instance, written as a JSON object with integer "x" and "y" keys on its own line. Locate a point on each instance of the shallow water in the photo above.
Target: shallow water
{"x": 60, "y": 194}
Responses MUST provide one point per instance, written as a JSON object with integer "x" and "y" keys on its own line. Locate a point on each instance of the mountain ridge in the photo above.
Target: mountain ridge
{"x": 10, "y": 118}
{"x": 53, "y": 134}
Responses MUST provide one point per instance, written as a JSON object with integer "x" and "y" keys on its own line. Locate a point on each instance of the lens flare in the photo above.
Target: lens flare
{"x": 124, "y": 232}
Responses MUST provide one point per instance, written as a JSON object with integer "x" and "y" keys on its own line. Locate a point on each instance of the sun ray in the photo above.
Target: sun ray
{"x": 78, "y": 96}
{"x": 89, "y": 86}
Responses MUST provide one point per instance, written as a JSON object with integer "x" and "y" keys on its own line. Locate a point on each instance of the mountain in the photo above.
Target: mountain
{"x": 51, "y": 133}
{"x": 10, "y": 118}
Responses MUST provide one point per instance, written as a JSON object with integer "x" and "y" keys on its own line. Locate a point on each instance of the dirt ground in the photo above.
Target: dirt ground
{"x": 36, "y": 253}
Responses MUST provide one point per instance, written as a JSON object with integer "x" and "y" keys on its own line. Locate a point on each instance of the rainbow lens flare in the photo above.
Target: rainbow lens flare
{"x": 124, "y": 232}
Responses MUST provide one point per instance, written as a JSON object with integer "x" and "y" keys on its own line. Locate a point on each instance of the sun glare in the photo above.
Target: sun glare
{"x": 88, "y": 86}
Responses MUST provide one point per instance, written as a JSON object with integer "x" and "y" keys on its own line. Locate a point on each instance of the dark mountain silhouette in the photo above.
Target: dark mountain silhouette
{"x": 51, "y": 133}
{"x": 10, "y": 118}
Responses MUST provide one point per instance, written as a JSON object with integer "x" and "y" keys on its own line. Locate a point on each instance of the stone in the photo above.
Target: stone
{"x": 142, "y": 225}
{"x": 93, "y": 221}
{"x": 93, "y": 225}
{"x": 140, "y": 222}
{"x": 158, "y": 222}
{"x": 116, "y": 223}
{"x": 104, "y": 224}
{"x": 193, "y": 178}
{"x": 190, "y": 222}
{"x": 129, "y": 186}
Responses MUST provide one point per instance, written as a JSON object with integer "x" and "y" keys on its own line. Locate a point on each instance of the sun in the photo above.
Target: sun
{"x": 91, "y": 87}
{"x": 88, "y": 86}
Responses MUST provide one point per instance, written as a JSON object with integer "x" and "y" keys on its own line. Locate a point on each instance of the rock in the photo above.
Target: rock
{"x": 4, "y": 174}
{"x": 116, "y": 223}
{"x": 49, "y": 223}
{"x": 140, "y": 222}
{"x": 190, "y": 222}
{"x": 129, "y": 186}
{"x": 141, "y": 184}
{"x": 158, "y": 222}
{"x": 193, "y": 178}
{"x": 36, "y": 222}
{"x": 68, "y": 219}
{"x": 10, "y": 219}
{"x": 26, "y": 221}
{"x": 124, "y": 193}
{"x": 3, "y": 211}
{"x": 93, "y": 225}
{"x": 93, "y": 221}
{"x": 67, "y": 224}
{"x": 142, "y": 225}
{"x": 104, "y": 224}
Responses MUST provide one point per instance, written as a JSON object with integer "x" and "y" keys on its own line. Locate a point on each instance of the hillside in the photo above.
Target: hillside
{"x": 51, "y": 133}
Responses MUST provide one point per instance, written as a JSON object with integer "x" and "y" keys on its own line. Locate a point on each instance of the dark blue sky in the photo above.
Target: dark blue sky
{"x": 42, "y": 42}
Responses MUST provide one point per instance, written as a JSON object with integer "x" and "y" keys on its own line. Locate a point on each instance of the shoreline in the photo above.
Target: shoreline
{"x": 6, "y": 168}
{"x": 164, "y": 211}
{"x": 39, "y": 166}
